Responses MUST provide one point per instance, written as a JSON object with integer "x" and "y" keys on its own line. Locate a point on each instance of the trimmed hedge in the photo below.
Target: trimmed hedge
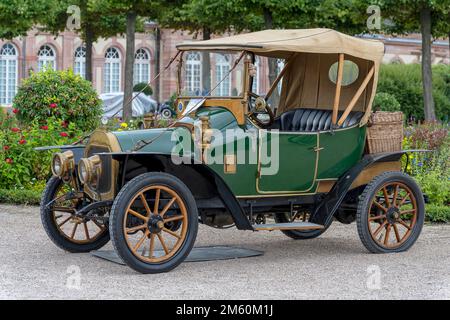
{"x": 20, "y": 197}
{"x": 400, "y": 89}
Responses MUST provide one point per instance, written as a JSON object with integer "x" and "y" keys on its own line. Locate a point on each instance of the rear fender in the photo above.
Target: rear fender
{"x": 325, "y": 211}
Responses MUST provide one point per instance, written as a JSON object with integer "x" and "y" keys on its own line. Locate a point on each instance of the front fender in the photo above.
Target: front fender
{"x": 78, "y": 150}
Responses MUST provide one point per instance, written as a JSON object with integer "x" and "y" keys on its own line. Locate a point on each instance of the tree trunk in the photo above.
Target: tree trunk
{"x": 129, "y": 65}
{"x": 274, "y": 99}
{"x": 89, "y": 42}
{"x": 206, "y": 65}
{"x": 427, "y": 79}
{"x": 157, "y": 84}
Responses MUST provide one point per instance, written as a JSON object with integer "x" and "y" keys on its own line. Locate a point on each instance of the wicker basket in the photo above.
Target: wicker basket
{"x": 385, "y": 132}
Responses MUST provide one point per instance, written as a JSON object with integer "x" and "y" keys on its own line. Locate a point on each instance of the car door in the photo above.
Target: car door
{"x": 287, "y": 162}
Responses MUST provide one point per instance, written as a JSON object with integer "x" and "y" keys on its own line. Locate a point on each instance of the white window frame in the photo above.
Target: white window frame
{"x": 194, "y": 66}
{"x": 142, "y": 73}
{"x": 8, "y": 91}
{"x": 46, "y": 57}
{"x": 223, "y": 67}
{"x": 280, "y": 66}
{"x": 113, "y": 63}
{"x": 257, "y": 77}
{"x": 79, "y": 66}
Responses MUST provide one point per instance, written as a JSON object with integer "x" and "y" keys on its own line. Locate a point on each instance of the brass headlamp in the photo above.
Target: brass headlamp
{"x": 89, "y": 170}
{"x": 63, "y": 164}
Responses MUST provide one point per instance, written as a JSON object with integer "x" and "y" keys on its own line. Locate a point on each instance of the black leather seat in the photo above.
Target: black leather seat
{"x": 313, "y": 120}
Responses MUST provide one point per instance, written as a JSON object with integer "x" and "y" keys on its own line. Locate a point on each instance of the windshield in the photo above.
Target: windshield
{"x": 202, "y": 72}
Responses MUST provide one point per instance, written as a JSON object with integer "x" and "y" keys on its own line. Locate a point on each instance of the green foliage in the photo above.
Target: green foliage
{"x": 431, "y": 169}
{"x": 148, "y": 90}
{"x": 20, "y": 165}
{"x": 386, "y": 102}
{"x": 59, "y": 94}
{"x": 404, "y": 83}
{"x": 20, "y": 197}
{"x": 437, "y": 213}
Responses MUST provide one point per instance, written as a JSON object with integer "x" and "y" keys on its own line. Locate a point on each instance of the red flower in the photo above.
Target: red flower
{"x": 64, "y": 124}
{"x": 53, "y": 105}
{"x": 6, "y": 148}
{"x": 44, "y": 128}
{"x": 15, "y": 129}
{"x": 9, "y": 160}
{"x": 22, "y": 141}
{"x": 63, "y": 134}
{"x": 15, "y": 111}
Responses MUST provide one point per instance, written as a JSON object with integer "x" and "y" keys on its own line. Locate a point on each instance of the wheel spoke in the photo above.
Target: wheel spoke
{"x": 145, "y": 203}
{"x": 408, "y": 211}
{"x": 386, "y": 197}
{"x": 137, "y": 215}
{"x": 157, "y": 196}
{"x": 134, "y": 229}
{"x": 64, "y": 222}
{"x": 63, "y": 209}
{"x": 394, "y": 198}
{"x": 377, "y": 231}
{"x": 161, "y": 239}
{"x": 174, "y": 218}
{"x": 386, "y": 237}
{"x": 377, "y": 217}
{"x": 74, "y": 230}
{"x": 403, "y": 223}
{"x": 98, "y": 224}
{"x": 86, "y": 231}
{"x": 152, "y": 245}
{"x": 172, "y": 233}
{"x": 380, "y": 206}
{"x": 404, "y": 200}
{"x": 167, "y": 207}
{"x": 140, "y": 242}
{"x": 397, "y": 234}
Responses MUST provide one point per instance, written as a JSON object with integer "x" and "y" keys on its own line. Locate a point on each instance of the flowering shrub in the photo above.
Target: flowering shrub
{"x": 61, "y": 95}
{"x": 431, "y": 169}
{"x": 20, "y": 165}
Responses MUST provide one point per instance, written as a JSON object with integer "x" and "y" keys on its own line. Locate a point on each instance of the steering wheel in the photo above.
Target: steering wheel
{"x": 259, "y": 106}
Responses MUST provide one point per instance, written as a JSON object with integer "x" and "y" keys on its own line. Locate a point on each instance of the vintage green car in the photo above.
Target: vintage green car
{"x": 293, "y": 159}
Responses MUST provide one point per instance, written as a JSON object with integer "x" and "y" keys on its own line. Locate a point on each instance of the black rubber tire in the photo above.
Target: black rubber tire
{"x": 299, "y": 235}
{"x": 117, "y": 216}
{"x": 365, "y": 202}
{"x": 52, "y": 230}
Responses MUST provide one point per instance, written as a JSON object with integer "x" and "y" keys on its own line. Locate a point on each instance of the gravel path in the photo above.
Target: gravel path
{"x": 335, "y": 266}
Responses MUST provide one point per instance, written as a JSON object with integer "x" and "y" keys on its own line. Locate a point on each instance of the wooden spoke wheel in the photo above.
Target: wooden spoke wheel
{"x": 390, "y": 213}
{"x": 65, "y": 229}
{"x": 154, "y": 223}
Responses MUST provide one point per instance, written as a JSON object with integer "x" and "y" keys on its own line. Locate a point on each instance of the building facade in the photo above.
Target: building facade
{"x": 21, "y": 56}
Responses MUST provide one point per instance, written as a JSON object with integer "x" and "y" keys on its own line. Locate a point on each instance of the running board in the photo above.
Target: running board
{"x": 303, "y": 226}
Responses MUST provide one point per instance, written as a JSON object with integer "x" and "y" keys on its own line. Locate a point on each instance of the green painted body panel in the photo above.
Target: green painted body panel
{"x": 300, "y": 166}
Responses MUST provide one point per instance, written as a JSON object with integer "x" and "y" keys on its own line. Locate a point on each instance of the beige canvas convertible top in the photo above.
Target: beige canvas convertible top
{"x": 282, "y": 43}
{"x": 309, "y": 54}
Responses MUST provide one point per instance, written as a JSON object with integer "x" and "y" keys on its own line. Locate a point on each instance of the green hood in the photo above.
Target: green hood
{"x": 220, "y": 118}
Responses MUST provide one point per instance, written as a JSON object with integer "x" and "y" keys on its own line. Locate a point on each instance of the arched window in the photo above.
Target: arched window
{"x": 46, "y": 58}
{"x": 280, "y": 67}
{"x": 256, "y": 78}
{"x": 80, "y": 62}
{"x": 8, "y": 73}
{"x": 141, "y": 66}
{"x": 222, "y": 69}
{"x": 112, "y": 71}
{"x": 193, "y": 73}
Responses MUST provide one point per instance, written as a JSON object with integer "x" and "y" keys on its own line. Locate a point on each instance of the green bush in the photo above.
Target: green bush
{"x": 437, "y": 213}
{"x": 148, "y": 91}
{"x": 20, "y": 165}
{"x": 404, "y": 83}
{"x": 61, "y": 95}
{"x": 23, "y": 197}
{"x": 385, "y": 102}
